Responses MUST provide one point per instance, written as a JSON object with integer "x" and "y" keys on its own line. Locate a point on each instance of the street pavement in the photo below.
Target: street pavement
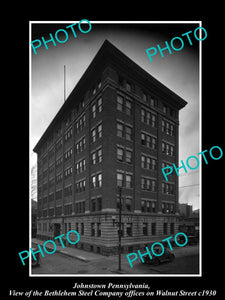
{"x": 70, "y": 260}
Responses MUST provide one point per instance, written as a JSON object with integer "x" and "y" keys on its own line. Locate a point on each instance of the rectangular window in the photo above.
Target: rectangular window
{"x": 120, "y": 179}
{"x": 148, "y": 141}
{"x": 93, "y": 135}
{"x": 129, "y": 229}
{"x": 92, "y": 229}
{"x": 128, "y": 133}
{"x": 128, "y": 204}
{"x": 143, "y": 205}
{"x": 119, "y": 154}
{"x": 99, "y": 131}
{"x": 145, "y": 229}
{"x": 164, "y": 228}
{"x": 93, "y": 111}
{"x": 98, "y": 229}
{"x": 128, "y": 156}
{"x": 128, "y": 181}
{"x": 153, "y": 228}
{"x": 119, "y": 103}
{"x": 119, "y": 129}
{"x": 82, "y": 229}
{"x": 128, "y": 107}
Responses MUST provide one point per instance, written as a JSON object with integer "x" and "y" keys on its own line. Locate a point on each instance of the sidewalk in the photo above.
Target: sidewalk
{"x": 69, "y": 251}
{"x": 111, "y": 262}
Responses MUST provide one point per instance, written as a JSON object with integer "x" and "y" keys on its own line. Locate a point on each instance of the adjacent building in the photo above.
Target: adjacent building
{"x": 117, "y": 128}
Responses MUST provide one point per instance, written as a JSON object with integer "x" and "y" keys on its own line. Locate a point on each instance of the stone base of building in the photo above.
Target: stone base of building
{"x": 106, "y": 241}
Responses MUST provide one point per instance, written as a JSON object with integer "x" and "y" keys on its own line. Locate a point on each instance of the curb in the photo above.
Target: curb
{"x": 64, "y": 252}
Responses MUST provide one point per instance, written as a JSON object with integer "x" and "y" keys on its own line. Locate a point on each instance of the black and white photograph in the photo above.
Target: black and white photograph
{"x": 106, "y": 118}
{"x": 114, "y": 162}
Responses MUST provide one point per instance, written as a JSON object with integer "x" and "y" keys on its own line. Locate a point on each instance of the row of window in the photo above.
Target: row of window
{"x": 123, "y": 131}
{"x": 127, "y": 228}
{"x": 147, "y": 206}
{"x": 123, "y": 155}
{"x": 124, "y": 179}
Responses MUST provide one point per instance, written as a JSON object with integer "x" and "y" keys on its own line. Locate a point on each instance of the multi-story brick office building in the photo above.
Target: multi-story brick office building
{"x": 118, "y": 127}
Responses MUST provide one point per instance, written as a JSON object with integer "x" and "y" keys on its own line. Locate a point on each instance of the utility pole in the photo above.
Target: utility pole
{"x": 120, "y": 227}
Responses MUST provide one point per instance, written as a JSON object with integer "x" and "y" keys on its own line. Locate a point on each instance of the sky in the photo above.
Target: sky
{"x": 179, "y": 71}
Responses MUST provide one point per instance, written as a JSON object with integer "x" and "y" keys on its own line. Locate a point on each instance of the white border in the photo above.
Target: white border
{"x": 200, "y": 146}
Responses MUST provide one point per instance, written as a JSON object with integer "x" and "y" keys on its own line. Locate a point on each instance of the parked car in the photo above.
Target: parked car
{"x": 156, "y": 260}
{"x": 192, "y": 240}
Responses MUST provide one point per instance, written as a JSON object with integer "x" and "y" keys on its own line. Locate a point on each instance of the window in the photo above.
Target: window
{"x": 124, "y": 155}
{"x": 68, "y": 134}
{"x": 167, "y": 149}
{"x": 59, "y": 178}
{"x": 120, "y": 179}
{"x": 143, "y": 203}
{"x": 167, "y": 128}
{"x": 80, "y": 145}
{"x": 93, "y": 135}
{"x": 96, "y": 133}
{"x": 119, "y": 103}
{"x": 99, "y": 105}
{"x": 148, "y": 141}
{"x": 128, "y": 204}
{"x": 80, "y": 166}
{"x": 99, "y": 155}
{"x": 172, "y": 228}
{"x": 165, "y": 228}
{"x": 99, "y": 180}
{"x": 129, "y": 229}
{"x": 68, "y": 209}
{"x": 82, "y": 229}
{"x": 153, "y": 228}
{"x": 92, "y": 229}
{"x": 128, "y": 156}
{"x": 148, "y": 184}
{"x": 99, "y": 203}
{"x": 68, "y": 191}
{"x": 98, "y": 229}
{"x": 96, "y": 181}
{"x": 128, "y": 87}
{"x": 148, "y": 118}
{"x": 93, "y": 202}
{"x": 80, "y": 186}
{"x": 96, "y": 108}
{"x": 148, "y": 162}
{"x": 119, "y": 129}
{"x": 167, "y": 188}
{"x": 68, "y": 154}
{"x": 128, "y": 181}
{"x": 99, "y": 131}
{"x": 124, "y": 131}
{"x": 93, "y": 111}
{"x": 80, "y": 124}
{"x": 80, "y": 207}
{"x": 145, "y": 229}
{"x": 68, "y": 172}
{"x": 128, "y": 131}
{"x": 59, "y": 161}
{"x": 124, "y": 105}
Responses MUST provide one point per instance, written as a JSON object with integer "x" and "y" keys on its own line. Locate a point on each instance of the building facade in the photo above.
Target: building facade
{"x": 117, "y": 128}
